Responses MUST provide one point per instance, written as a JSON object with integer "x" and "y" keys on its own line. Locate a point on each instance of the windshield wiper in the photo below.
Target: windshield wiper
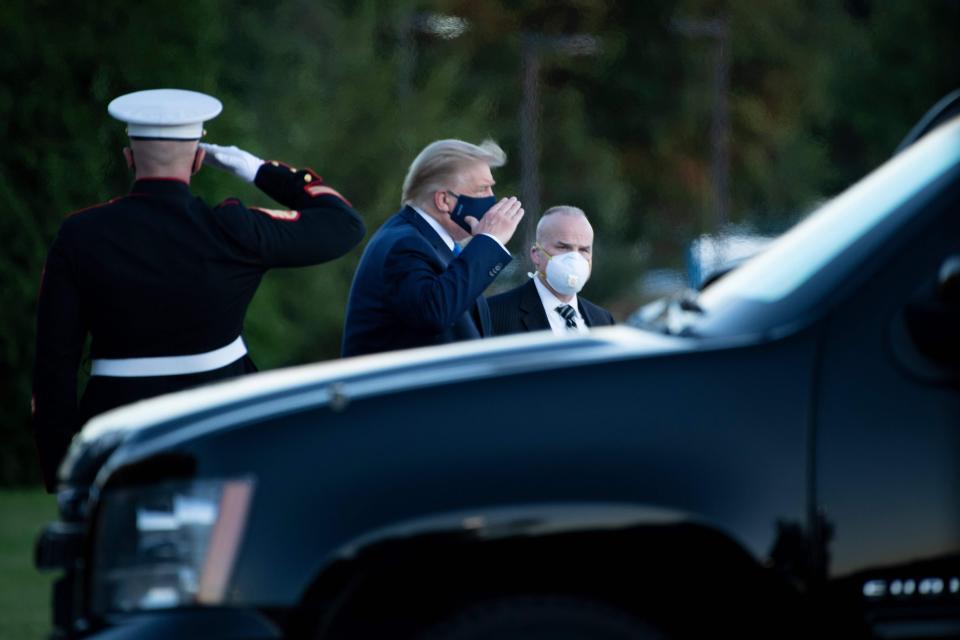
{"x": 672, "y": 316}
{"x": 688, "y": 302}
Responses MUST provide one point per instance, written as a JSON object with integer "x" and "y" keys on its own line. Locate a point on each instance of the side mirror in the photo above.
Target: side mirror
{"x": 948, "y": 281}
{"x": 934, "y": 325}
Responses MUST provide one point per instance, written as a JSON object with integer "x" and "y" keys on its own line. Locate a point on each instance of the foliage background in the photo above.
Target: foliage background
{"x": 820, "y": 92}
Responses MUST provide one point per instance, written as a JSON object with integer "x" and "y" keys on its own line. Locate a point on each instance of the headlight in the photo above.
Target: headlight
{"x": 167, "y": 545}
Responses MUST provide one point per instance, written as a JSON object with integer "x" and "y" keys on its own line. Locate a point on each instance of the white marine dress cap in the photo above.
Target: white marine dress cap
{"x": 165, "y": 114}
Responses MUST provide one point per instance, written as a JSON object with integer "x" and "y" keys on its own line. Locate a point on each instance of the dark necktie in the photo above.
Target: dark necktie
{"x": 568, "y": 314}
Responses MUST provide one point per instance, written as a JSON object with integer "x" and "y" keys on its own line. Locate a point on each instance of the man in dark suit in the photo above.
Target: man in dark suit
{"x": 159, "y": 279}
{"x": 563, "y": 257}
{"x": 414, "y": 286}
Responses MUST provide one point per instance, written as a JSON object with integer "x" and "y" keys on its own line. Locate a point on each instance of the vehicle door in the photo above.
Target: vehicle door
{"x": 887, "y": 432}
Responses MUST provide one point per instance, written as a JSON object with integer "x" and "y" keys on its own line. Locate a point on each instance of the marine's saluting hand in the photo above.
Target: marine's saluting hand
{"x": 237, "y": 161}
{"x": 500, "y": 220}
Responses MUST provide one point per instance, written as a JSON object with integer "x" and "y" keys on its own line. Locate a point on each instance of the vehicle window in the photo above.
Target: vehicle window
{"x": 794, "y": 257}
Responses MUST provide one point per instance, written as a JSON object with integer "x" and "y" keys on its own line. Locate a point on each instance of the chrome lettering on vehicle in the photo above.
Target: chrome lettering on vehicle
{"x": 911, "y": 587}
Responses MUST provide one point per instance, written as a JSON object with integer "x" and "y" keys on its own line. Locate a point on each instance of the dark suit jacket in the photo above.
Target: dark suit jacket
{"x": 520, "y": 310}
{"x": 410, "y": 291}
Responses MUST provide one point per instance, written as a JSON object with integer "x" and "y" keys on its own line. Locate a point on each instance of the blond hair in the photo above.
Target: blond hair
{"x": 438, "y": 164}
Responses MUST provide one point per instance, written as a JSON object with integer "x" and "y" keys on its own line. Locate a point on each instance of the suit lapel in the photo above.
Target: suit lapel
{"x": 587, "y": 318}
{"x": 483, "y": 320}
{"x": 532, "y": 315}
{"x": 476, "y": 322}
{"x": 431, "y": 236}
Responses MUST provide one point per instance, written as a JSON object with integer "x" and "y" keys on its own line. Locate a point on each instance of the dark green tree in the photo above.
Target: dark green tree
{"x": 61, "y": 152}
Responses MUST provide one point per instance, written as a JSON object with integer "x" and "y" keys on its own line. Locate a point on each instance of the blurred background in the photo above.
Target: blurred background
{"x": 667, "y": 122}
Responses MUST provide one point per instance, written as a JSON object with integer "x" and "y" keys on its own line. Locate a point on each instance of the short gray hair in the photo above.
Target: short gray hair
{"x": 441, "y": 161}
{"x": 559, "y": 210}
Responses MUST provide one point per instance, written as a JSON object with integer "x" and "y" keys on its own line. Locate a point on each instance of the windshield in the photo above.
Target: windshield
{"x": 795, "y": 257}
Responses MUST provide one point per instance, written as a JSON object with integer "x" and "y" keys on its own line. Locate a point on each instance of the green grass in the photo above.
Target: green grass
{"x": 24, "y": 592}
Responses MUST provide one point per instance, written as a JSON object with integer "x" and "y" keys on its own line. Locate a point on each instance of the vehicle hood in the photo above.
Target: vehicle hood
{"x": 340, "y": 381}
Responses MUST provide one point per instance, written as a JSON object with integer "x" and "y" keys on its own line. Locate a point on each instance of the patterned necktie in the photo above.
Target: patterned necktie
{"x": 568, "y": 314}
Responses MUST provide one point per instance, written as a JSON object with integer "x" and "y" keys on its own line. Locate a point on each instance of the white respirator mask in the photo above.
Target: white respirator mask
{"x": 566, "y": 272}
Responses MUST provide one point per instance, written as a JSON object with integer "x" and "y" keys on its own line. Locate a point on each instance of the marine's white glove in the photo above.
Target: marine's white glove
{"x": 237, "y": 161}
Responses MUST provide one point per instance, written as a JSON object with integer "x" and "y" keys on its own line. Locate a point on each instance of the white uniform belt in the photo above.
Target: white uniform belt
{"x": 169, "y": 365}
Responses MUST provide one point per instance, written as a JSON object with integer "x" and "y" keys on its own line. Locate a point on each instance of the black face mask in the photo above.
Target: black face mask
{"x": 470, "y": 206}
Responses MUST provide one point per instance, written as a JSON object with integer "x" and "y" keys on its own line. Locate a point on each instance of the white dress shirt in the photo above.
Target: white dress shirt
{"x": 444, "y": 234}
{"x": 550, "y": 303}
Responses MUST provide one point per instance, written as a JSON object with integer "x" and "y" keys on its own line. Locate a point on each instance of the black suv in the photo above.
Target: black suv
{"x": 780, "y": 458}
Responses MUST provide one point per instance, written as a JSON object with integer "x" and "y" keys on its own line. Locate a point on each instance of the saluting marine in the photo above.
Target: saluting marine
{"x": 160, "y": 280}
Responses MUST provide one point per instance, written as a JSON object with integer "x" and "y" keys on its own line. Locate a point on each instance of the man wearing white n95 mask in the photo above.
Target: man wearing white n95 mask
{"x": 563, "y": 257}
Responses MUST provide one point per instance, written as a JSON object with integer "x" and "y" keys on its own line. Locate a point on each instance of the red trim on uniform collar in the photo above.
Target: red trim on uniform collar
{"x": 159, "y": 187}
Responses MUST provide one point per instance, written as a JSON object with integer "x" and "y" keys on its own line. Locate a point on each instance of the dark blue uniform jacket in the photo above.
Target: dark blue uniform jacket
{"x": 158, "y": 272}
